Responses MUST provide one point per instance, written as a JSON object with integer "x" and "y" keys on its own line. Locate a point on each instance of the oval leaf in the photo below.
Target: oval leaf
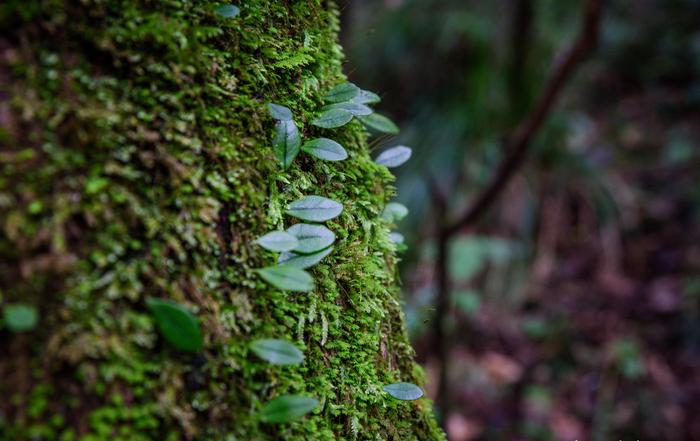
{"x": 228, "y": 11}
{"x": 394, "y": 212}
{"x": 278, "y": 352}
{"x": 279, "y": 112}
{"x": 356, "y": 109}
{"x": 394, "y": 157}
{"x": 303, "y": 261}
{"x": 315, "y": 209}
{"x": 342, "y": 92}
{"x": 20, "y": 317}
{"x": 397, "y": 238}
{"x": 324, "y": 148}
{"x": 287, "y": 278}
{"x": 404, "y": 391}
{"x": 332, "y": 118}
{"x": 287, "y": 408}
{"x": 287, "y": 142}
{"x": 176, "y": 324}
{"x": 380, "y": 123}
{"x": 311, "y": 238}
{"x": 366, "y": 97}
{"x": 278, "y": 241}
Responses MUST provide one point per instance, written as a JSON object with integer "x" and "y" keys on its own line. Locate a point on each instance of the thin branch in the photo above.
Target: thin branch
{"x": 518, "y": 144}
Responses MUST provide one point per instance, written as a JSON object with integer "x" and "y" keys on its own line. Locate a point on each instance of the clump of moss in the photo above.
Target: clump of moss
{"x": 135, "y": 161}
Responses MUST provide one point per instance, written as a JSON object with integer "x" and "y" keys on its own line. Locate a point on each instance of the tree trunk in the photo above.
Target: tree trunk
{"x": 136, "y": 162}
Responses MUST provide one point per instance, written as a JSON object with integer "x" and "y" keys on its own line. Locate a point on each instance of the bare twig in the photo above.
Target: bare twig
{"x": 518, "y": 143}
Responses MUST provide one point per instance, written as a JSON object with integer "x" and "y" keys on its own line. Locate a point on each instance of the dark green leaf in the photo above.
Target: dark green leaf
{"x": 315, "y": 209}
{"x": 303, "y": 260}
{"x": 342, "y": 92}
{"x": 324, "y": 148}
{"x": 287, "y": 408}
{"x": 380, "y": 123}
{"x": 312, "y": 238}
{"x": 397, "y": 238}
{"x": 228, "y": 11}
{"x": 287, "y": 142}
{"x": 19, "y": 317}
{"x": 394, "y": 157}
{"x": 278, "y": 241}
{"x": 355, "y": 109}
{"x": 287, "y": 278}
{"x": 176, "y": 324}
{"x": 278, "y": 352}
{"x": 332, "y": 118}
{"x": 279, "y": 112}
{"x": 404, "y": 391}
{"x": 366, "y": 97}
{"x": 394, "y": 212}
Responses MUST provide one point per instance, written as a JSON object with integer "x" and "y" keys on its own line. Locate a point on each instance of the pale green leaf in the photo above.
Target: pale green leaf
{"x": 324, "y": 148}
{"x": 366, "y": 97}
{"x": 287, "y": 278}
{"x": 355, "y": 109}
{"x": 394, "y": 212}
{"x": 303, "y": 261}
{"x": 286, "y": 142}
{"x": 228, "y": 11}
{"x": 277, "y": 352}
{"x": 278, "y": 241}
{"x": 287, "y": 408}
{"x": 404, "y": 391}
{"x": 380, "y": 123}
{"x": 341, "y": 92}
{"x": 332, "y": 118}
{"x": 311, "y": 238}
{"x": 315, "y": 209}
{"x": 19, "y": 317}
{"x": 279, "y": 112}
{"x": 394, "y": 157}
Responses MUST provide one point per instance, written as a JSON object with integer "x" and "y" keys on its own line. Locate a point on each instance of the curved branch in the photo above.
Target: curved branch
{"x": 519, "y": 142}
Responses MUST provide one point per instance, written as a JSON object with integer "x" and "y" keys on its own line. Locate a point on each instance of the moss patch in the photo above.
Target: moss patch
{"x": 136, "y": 161}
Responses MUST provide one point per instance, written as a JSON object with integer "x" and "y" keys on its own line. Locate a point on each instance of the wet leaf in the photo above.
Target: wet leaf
{"x": 394, "y": 157}
{"x": 176, "y": 324}
{"x": 366, "y": 97}
{"x": 324, "y": 148}
{"x": 315, "y": 209}
{"x": 278, "y": 241}
{"x": 332, "y": 118}
{"x": 228, "y": 11}
{"x": 303, "y": 261}
{"x": 341, "y": 92}
{"x": 311, "y": 238}
{"x": 279, "y": 112}
{"x": 287, "y": 278}
{"x": 19, "y": 317}
{"x": 355, "y": 109}
{"x": 404, "y": 391}
{"x": 286, "y": 142}
{"x": 287, "y": 408}
{"x": 277, "y": 352}
{"x": 380, "y": 123}
{"x": 397, "y": 238}
{"x": 394, "y": 212}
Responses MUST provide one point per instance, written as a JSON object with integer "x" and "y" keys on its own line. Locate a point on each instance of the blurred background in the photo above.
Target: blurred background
{"x": 573, "y": 304}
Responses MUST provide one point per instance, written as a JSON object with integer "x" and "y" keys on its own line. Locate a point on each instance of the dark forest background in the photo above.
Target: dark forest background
{"x": 574, "y": 301}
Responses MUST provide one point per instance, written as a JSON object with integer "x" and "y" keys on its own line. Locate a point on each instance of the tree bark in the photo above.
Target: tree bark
{"x": 136, "y": 162}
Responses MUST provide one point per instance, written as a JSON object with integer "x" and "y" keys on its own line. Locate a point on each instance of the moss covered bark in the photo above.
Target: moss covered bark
{"x": 135, "y": 161}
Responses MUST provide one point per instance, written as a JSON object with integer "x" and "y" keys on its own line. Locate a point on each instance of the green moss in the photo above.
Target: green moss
{"x": 136, "y": 161}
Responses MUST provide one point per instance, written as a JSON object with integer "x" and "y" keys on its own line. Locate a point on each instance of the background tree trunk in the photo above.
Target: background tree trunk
{"x": 135, "y": 162}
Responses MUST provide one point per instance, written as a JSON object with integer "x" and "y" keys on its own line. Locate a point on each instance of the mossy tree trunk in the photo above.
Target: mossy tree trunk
{"x": 136, "y": 162}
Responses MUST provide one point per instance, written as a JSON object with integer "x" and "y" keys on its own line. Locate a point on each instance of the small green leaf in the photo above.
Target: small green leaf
{"x": 315, "y": 209}
{"x": 366, "y": 97}
{"x": 279, "y": 112}
{"x": 324, "y": 148}
{"x": 19, "y": 317}
{"x": 380, "y": 123}
{"x": 311, "y": 238}
{"x": 278, "y": 352}
{"x": 341, "y": 92}
{"x": 303, "y": 261}
{"x": 332, "y": 118}
{"x": 287, "y": 278}
{"x": 176, "y": 324}
{"x": 394, "y": 157}
{"x": 287, "y": 142}
{"x": 355, "y": 109}
{"x": 394, "y": 212}
{"x": 228, "y": 11}
{"x": 397, "y": 238}
{"x": 404, "y": 391}
{"x": 287, "y": 408}
{"x": 278, "y": 241}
